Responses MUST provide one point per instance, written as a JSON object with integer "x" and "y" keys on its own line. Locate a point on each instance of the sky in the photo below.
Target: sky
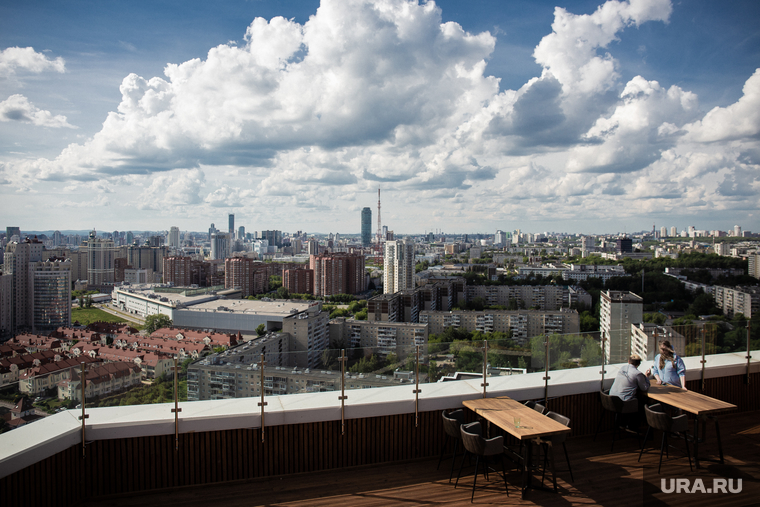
{"x": 580, "y": 117}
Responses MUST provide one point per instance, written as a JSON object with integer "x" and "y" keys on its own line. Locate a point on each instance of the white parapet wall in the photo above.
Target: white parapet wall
{"x": 34, "y": 442}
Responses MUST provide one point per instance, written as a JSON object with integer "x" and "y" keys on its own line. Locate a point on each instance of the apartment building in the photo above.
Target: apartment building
{"x": 744, "y": 300}
{"x": 618, "y": 310}
{"x": 338, "y": 273}
{"x": 646, "y": 338}
{"x": 400, "y": 338}
{"x": 398, "y": 266}
{"x": 523, "y": 324}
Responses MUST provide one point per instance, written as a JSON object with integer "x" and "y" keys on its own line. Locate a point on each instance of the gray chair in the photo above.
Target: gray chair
{"x": 658, "y": 419}
{"x": 475, "y": 444}
{"x": 548, "y": 443}
{"x": 451, "y": 423}
{"x": 536, "y": 406}
{"x": 618, "y": 407}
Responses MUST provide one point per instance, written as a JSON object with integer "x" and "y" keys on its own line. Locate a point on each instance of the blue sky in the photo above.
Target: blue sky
{"x": 470, "y": 116}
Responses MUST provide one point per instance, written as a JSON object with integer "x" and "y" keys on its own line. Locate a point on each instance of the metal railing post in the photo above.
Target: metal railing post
{"x": 546, "y": 372}
{"x": 485, "y": 367}
{"x": 262, "y": 403}
{"x": 342, "y": 396}
{"x": 417, "y": 390}
{"x": 176, "y": 410}
{"x": 83, "y": 416}
{"x": 749, "y": 347}
{"x": 703, "y": 361}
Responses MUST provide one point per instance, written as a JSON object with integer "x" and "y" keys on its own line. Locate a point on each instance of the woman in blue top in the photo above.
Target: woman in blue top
{"x": 668, "y": 368}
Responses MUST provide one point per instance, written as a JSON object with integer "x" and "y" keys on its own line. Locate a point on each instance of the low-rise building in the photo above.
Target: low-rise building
{"x": 100, "y": 380}
{"x": 522, "y": 324}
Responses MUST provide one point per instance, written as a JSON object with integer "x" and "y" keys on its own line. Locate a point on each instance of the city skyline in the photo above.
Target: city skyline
{"x": 590, "y": 118}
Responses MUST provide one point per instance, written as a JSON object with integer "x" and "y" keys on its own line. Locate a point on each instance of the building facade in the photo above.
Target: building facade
{"x": 618, "y": 311}
{"x": 366, "y": 227}
{"x": 398, "y": 266}
{"x": 338, "y": 273}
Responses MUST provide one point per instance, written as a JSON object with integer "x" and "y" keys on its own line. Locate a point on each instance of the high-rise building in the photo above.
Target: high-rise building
{"x": 51, "y": 295}
{"x": 130, "y": 238}
{"x": 737, "y": 231}
{"x": 587, "y": 243}
{"x": 298, "y": 281}
{"x": 147, "y": 257}
{"x": 313, "y": 247}
{"x": 174, "y": 237}
{"x": 211, "y": 230}
{"x": 398, "y": 266}
{"x": 753, "y": 265}
{"x": 241, "y": 233}
{"x": 12, "y": 231}
{"x": 673, "y": 231}
{"x": 220, "y": 246}
{"x": 274, "y": 237}
{"x": 100, "y": 260}
{"x": 57, "y": 238}
{"x": 618, "y": 310}
{"x": 6, "y": 303}
{"x": 231, "y": 220}
{"x": 500, "y": 239}
{"x": 366, "y": 226}
{"x": 338, "y": 273}
{"x": 238, "y": 273}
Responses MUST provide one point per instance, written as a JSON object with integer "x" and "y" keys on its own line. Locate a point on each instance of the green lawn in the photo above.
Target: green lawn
{"x": 87, "y": 316}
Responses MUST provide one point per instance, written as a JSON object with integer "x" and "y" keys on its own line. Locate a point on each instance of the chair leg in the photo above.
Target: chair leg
{"x": 662, "y": 448}
{"x": 564, "y": 448}
{"x": 454, "y": 458}
{"x": 688, "y": 452}
{"x": 460, "y": 469}
{"x": 504, "y": 474}
{"x": 552, "y": 464}
{"x": 475, "y": 478}
{"x": 443, "y": 449}
{"x": 646, "y": 437}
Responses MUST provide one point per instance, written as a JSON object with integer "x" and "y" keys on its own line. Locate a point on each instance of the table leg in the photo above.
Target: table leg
{"x": 696, "y": 440}
{"x": 717, "y": 434}
{"x": 527, "y": 458}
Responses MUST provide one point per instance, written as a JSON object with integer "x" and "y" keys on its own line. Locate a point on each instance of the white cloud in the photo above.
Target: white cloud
{"x": 737, "y": 121}
{"x": 15, "y": 58}
{"x": 18, "y": 108}
{"x": 367, "y": 94}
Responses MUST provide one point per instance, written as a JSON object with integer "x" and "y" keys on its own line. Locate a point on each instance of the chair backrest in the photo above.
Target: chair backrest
{"x": 657, "y": 418}
{"x": 452, "y": 421}
{"x": 558, "y": 439}
{"x": 472, "y": 438}
{"x": 611, "y": 403}
{"x": 536, "y": 406}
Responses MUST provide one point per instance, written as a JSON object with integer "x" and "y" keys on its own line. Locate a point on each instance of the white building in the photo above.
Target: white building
{"x": 398, "y": 266}
{"x": 618, "y": 310}
{"x": 174, "y": 237}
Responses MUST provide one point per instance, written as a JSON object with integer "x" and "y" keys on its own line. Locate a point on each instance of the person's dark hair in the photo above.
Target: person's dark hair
{"x": 634, "y": 360}
{"x": 667, "y": 354}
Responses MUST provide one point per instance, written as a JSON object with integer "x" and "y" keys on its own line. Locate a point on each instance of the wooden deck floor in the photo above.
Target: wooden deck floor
{"x": 601, "y": 478}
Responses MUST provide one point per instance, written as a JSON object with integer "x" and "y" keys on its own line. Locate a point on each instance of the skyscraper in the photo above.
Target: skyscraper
{"x": 174, "y": 237}
{"x": 241, "y": 233}
{"x": 398, "y": 266}
{"x": 12, "y": 231}
{"x": 231, "y": 218}
{"x": 100, "y": 260}
{"x": 366, "y": 226}
{"x": 220, "y": 245}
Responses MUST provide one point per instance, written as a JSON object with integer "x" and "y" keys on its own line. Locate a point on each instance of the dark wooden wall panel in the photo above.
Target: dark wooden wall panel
{"x": 118, "y": 466}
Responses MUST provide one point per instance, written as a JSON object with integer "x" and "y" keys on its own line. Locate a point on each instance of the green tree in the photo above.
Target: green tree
{"x": 156, "y": 322}
{"x": 283, "y": 293}
{"x": 261, "y": 329}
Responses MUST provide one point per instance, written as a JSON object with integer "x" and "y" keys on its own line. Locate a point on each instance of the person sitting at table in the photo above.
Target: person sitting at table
{"x": 628, "y": 382}
{"x": 668, "y": 367}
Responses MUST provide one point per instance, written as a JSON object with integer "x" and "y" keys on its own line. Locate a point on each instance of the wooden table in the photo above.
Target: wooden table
{"x": 703, "y": 407}
{"x": 533, "y": 425}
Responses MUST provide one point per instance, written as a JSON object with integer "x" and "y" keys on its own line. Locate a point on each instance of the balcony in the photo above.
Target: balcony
{"x": 383, "y": 452}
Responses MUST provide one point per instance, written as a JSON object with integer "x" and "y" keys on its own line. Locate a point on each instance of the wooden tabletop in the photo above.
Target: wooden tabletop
{"x": 502, "y": 411}
{"x": 688, "y": 401}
